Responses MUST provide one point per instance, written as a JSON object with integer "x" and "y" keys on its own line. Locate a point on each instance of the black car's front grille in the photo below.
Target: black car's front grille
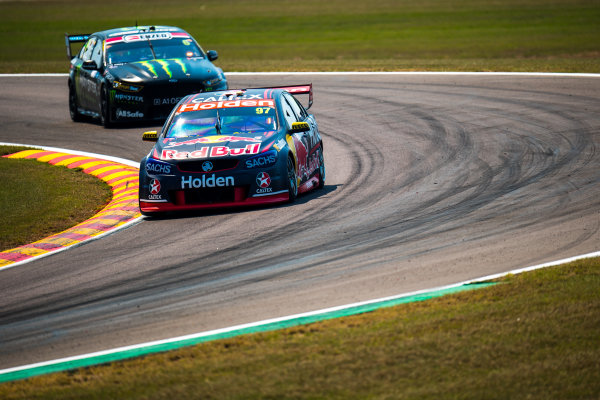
{"x": 203, "y": 166}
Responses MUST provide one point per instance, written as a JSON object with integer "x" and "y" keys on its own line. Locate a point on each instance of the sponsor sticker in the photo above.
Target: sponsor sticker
{"x": 297, "y": 89}
{"x": 207, "y": 166}
{"x": 128, "y": 98}
{"x": 210, "y": 152}
{"x": 280, "y": 145}
{"x": 227, "y": 96}
{"x": 261, "y": 161}
{"x": 214, "y": 139}
{"x": 154, "y": 186}
{"x": 226, "y": 104}
{"x": 211, "y": 181}
{"x": 263, "y": 180}
{"x": 166, "y": 101}
{"x": 129, "y": 114}
{"x": 147, "y": 36}
{"x": 158, "y": 168}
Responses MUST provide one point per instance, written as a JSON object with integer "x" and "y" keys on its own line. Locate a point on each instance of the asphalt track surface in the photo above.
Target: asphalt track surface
{"x": 431, "y": 180}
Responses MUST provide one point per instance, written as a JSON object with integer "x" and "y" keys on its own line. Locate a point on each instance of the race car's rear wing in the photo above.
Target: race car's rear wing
{"x": 297, "y": 89}
{"x": 301, "y": 89}
{"x": 70, "y": 39}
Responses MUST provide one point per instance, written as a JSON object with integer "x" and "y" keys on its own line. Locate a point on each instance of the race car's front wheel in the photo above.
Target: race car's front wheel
{"x": 105, "y": 108}
{"x": 292, "y": 180}
{"x": 73, "y": 111}
{"x": 321, "y": 169}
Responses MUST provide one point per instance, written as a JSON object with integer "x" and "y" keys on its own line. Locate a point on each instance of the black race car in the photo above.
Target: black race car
{"x": 137, "y": 73}
{"x": 233, "y": 148}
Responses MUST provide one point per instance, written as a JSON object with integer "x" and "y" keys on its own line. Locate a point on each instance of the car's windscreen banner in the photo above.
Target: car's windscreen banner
{"x": 226, "y": 104}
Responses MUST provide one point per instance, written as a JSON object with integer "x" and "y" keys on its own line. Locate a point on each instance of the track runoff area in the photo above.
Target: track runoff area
{"x": 84, "y": 360}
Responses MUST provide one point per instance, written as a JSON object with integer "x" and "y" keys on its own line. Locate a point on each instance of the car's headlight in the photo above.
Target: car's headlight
{"x": 127, "y": 87}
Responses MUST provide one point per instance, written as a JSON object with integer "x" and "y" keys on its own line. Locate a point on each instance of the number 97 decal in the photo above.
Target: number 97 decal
{"x": 263, "y": 110}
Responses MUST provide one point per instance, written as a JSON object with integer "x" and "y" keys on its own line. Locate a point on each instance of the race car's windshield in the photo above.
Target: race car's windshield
{"x": 225, "y": 121}
{"x": 126, "y": 52}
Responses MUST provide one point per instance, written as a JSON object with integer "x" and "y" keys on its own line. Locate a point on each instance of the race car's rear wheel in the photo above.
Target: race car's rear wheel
{"x": 105, "y": 108}
{"x": 73, "y": 111}
{"x": 321, "y": 168}
{"x": 292, "y": 180}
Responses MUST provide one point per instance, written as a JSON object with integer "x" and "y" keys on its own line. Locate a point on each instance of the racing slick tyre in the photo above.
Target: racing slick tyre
{"x": 321, "y": 169}
{"x": 75, "y": 114}
{"x": 105, "y": 108}
{"x": 292, "y": 180}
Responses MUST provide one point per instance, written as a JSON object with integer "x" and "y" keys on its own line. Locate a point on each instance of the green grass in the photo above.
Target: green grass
{"x": 534, "y": 336}
{"x": 314, "y": 35}
{"x": 39, "y": 199}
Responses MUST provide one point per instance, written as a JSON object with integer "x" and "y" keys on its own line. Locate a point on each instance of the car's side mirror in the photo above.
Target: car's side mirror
{"x": 212, "y": 55}
{"x": 89, "y": 65}
{"x": 299, "y": 127}
{"x": 150, "y": 136}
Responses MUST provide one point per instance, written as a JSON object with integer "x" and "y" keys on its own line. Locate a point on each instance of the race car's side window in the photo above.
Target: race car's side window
{"x": 288, "y": 113}
{"x": 86, "y": 52}
{"x": 297, "y": 107}
{"x": 97, "y": 53}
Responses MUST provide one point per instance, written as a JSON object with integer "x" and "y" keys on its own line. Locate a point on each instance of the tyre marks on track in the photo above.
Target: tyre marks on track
{"x": 471, "y": 158}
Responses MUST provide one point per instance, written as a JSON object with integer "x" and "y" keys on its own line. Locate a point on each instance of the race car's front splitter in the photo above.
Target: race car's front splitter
{"x": 239, "y": 201}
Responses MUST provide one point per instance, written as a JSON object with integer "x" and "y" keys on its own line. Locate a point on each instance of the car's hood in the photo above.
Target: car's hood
{"x": 165, "y": 70}
{"x": 213, "y": 146}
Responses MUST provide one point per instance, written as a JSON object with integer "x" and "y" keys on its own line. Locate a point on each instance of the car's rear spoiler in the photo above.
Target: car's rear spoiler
{"x": 301, "y": 89}
{"x": 69, "y": 39}
{"x": 296, "y": 89}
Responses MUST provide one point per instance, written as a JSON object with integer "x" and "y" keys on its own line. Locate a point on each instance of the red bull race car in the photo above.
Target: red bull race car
{"x": 137, "y": 73}
{"x": 233, "y": 148}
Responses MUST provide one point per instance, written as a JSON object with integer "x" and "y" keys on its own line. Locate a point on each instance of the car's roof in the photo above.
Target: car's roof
{"x": 131, "y": 30}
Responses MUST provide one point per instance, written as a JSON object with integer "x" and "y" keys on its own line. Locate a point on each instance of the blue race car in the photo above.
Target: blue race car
{"x": 233, "y": 148}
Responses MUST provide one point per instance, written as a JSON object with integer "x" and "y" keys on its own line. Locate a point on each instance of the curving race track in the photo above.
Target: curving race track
{"x": 431, "y": 180}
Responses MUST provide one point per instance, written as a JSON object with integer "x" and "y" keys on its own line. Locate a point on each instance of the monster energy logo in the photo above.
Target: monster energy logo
{"x": 165, "y": 66}
{"x": 127, "y": 98}
{"x": 150, "y": 67}
{"x": 182, "y": 65}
